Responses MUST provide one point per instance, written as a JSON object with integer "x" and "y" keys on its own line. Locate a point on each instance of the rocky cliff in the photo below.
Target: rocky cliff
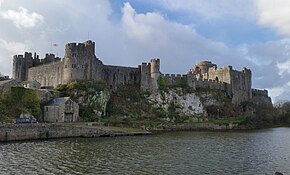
{"x": 129, "y": 104}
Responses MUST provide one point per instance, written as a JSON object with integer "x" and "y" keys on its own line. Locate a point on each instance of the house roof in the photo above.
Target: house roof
{"x": 57, "y": 101}
{"x": 4, "y": 82}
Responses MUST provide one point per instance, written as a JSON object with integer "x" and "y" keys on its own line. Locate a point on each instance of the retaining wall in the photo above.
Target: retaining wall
{"x": 14, "y": 132}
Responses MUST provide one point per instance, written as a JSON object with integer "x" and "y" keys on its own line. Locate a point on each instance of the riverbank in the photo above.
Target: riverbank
{"x": 193, "y": 127}
{"x": 35, "y": 131}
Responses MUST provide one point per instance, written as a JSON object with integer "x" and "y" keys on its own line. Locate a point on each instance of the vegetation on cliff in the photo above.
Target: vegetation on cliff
{"x": 282, "y": 113}
{"x": 130, "y": 106}
{"x": 19, "y": 101}
{"x": 92, "y": 97}
{"x": 169, "y": 105}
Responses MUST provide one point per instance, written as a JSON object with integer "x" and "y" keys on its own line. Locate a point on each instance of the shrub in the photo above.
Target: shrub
{"x": 162, "y": 83}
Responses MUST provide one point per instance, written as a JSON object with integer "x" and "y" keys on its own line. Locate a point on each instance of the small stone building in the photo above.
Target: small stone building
{"x": 61, "y": 110}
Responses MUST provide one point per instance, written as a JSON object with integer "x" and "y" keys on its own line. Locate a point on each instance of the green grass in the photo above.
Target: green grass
{"x": 234, "y": 120}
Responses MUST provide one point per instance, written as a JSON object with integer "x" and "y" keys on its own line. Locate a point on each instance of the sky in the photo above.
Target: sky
{"x": 242, "y": 33}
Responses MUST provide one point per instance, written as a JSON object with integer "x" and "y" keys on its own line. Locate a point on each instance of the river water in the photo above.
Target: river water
{"x": 242, "y": 152}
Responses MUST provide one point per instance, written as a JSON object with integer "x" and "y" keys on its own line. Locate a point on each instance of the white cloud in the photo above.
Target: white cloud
{"x": 275, "y": 14}
{"x": 283, "y": 67}
{"x": 7, "y": 50}
{"x": 135, "y": 25}
{"x": 276, "y": 92}
{"x": 212, "y": 9}
{"x": 150, "y": 35}
{"x": 1, "y": 1}
{"x": 22, "y": 18}
{"x": 13, "y": 47}
{"x": 138, "y": 37}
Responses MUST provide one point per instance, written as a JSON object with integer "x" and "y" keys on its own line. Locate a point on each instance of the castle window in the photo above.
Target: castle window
{"x": 65, "y": 66}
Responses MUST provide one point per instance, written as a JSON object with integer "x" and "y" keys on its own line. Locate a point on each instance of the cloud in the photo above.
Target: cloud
{"x": 279, "y": 93}
{"x": 22, "y": 18}
{"x": 276, "y": 92}
{"x": 152, "y": 35}
{"x": 135, "y": 25}
{"x": 7, "y": 50}
{"x": 1, "y": 1}
{"x": 212, "y": 9}
{"x": 274, "y": 14}
{"x": 283, "y": 67}
{"x": 130, "y": 37}
{"x": 13, "y": 47}
{"x": 270, "y": 64}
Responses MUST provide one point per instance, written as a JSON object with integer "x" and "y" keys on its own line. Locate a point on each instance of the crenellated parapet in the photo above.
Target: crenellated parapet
{"x": 21, "y": 64}
{"x": 80, "y": 63}
{"x": 150, "y": 73}
{"x": 260, "y": 92}
{"x": 240, "y": 81}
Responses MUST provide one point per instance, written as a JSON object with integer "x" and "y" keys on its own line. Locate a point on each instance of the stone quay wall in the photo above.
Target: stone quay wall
{"x": 17, "y": 132}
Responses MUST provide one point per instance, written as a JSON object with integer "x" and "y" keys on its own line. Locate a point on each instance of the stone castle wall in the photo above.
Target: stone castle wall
{"x": 240, "y": 81}
{"x": 80, "y": 63}
{"x": 145, "y": 76}
{"x": 241, "y": 85}
{"x": 193, "y": 82}
{"x": 48, "y": 75}
{"x": 220, "y": 74}
{"x": 117, "y": 75}
{"x": 22, "y": 63}
{"x": 174, "y": 79}
{"x": 149, "y": 74}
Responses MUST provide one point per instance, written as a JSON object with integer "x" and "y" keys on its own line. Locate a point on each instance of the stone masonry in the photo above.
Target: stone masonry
{"x": 81, "y": 63}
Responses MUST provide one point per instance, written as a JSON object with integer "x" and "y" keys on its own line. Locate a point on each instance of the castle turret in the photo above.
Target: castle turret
{"x": 145, "y": 75}
{"x": 155, "y": 72}
{"x": 78, "y": 61}
{"x": 248, "y": 82}
{"x": 68, "y": 62}
{"x": 201, "y": 69}
{"x": 20, "y": 66}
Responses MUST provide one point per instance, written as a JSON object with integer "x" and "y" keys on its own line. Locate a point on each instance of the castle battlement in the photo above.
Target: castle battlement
{"x": 81, "y": 63}
{"x": 173, "y": 75}
{"x": 80, "y": 49}
{"x": 261, "y": 92}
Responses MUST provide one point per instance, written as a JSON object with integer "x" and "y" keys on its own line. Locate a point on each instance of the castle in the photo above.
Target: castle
{"x": 81, "y": 63}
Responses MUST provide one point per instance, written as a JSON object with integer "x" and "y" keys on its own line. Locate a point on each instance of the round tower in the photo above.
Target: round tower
{"x": 154, "y": 72}
{"x": 155, "y": 68}
{"x": 69, "y": 62}
{"x": 204, "y": 66}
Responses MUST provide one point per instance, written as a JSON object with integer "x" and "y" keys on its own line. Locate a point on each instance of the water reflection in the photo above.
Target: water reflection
{"x": 252, "y": 152}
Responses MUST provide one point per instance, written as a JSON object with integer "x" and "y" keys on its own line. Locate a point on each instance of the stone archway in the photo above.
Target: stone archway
{"x": 216, "y": 79}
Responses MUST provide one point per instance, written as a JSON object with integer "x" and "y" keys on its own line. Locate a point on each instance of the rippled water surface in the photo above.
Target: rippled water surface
{"x": 251, "y": 152}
